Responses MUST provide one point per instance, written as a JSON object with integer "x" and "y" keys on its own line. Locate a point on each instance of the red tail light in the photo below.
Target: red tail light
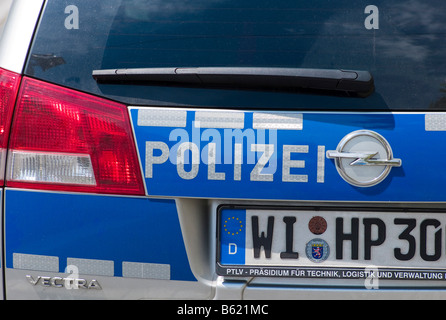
{"x": 9, "y": 84}
{"x": 62, "y": 139}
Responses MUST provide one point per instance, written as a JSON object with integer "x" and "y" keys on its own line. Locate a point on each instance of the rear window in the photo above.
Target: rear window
{"x": 401, "y": 43}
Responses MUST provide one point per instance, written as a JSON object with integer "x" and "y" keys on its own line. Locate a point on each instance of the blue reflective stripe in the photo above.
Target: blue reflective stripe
{"x": 100, "y": 228}
{"x": 296, "y": 164}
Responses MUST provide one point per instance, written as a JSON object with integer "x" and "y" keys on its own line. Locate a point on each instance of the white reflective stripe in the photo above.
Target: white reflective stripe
{"x": 162, "y": 118}
{"x": 93, "y": 266}
{"x": 435, "y": 122}
{"x": 146, "y": 270}
{"x": 35, "y": 262}
{"x": 30, "y": 166}
{"x": 220, "y": 120}
{"x": 177, "y": 118}
{"x": 277, "y": 121}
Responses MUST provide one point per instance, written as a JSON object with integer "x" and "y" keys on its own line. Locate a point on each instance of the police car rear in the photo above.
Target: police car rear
{"x": 215, "y": 149}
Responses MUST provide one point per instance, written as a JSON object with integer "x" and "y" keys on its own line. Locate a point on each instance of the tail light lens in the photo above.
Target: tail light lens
{"x": 62, "y": 139}
{"x": 9, "y": 84}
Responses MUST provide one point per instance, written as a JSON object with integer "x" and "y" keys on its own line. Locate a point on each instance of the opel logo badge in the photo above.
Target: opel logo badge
{"x": 363, "y": 158}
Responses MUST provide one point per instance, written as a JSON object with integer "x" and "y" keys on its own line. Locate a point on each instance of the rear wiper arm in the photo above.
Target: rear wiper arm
{"x": 350, "y": 81}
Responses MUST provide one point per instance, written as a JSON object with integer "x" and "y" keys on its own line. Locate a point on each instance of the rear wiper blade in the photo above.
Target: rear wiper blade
{"x": 350, "y": 81}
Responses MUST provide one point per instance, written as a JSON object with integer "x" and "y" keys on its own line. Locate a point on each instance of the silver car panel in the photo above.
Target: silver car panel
{"x": 15, "y": 42}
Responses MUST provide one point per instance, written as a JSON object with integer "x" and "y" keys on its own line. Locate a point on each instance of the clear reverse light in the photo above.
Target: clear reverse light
{"x": 51, "y": 168}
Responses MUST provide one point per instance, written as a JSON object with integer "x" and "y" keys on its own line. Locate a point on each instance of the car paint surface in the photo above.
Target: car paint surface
{"x": 164, "y": 245}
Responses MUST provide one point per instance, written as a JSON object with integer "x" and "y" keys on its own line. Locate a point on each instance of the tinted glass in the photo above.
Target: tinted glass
{"x": 400, "y": 42}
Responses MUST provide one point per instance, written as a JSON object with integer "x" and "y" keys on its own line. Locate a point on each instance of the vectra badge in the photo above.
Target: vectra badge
{"x": 363, "y": 158}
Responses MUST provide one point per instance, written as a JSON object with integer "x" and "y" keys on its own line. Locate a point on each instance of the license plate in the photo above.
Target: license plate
{"x": 329, "y": 243}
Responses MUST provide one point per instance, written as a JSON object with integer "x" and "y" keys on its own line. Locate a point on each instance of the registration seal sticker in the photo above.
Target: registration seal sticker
{"x": 317, "y": 225}
{"x": 317, "y": 250}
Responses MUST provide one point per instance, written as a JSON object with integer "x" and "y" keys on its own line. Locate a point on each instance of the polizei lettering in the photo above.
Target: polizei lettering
{"x": 234, "y": 155}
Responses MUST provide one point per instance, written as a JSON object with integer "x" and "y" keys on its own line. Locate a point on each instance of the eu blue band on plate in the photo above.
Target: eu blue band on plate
{"x": 233, "y": 236}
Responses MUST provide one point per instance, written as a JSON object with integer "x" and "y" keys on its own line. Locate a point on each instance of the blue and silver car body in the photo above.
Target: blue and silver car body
{"x": 284, "y": 151}
{"x": 40, "y": 260}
